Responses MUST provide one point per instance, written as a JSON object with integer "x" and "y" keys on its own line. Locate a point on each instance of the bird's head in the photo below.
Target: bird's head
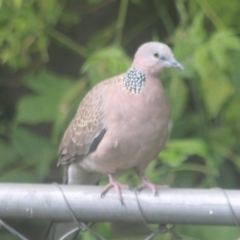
{"x": 154, "y": 57}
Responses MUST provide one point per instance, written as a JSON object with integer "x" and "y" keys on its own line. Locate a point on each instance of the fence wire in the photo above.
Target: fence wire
{"x": 82, "y": 227}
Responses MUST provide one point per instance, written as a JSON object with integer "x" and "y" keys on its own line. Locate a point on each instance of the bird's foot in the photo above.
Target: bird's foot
{"x": 116, "y": 185}
{"x": 146, "y": 183}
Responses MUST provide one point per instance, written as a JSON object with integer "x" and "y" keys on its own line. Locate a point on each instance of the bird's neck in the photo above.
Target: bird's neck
{"x": 134, "y": 80}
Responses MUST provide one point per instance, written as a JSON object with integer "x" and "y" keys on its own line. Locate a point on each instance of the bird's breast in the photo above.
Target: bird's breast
{"x": 136, "y": 130}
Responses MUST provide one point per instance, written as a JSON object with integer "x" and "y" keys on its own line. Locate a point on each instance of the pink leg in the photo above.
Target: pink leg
{"x": 116, "y": 185}
{"x": 146, "y": 183}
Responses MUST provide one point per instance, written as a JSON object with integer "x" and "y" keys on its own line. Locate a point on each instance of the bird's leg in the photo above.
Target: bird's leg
{"x": 146, "y": 183}
{"x": 116, "y": 185}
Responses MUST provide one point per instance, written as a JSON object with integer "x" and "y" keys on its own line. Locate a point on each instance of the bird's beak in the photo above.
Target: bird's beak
{"x": 176, "y": 64}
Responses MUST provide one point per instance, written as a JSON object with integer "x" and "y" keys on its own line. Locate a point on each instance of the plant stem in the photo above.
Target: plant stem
{"x": 183, "y": 13}
{"x": 120, "y": 21}
{"x": 164, "y": 15}
{"x": 192, "y": 167}
{"x": 212, "y": 15}
{"x": 226, "y": 153}
{"x": 77, "y": 48}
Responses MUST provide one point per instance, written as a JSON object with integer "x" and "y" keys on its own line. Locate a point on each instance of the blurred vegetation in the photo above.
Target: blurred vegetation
{"x": 53, "y": 51}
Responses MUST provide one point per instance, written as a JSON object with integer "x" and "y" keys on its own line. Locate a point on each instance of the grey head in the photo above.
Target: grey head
{"x": 154, "y": 57}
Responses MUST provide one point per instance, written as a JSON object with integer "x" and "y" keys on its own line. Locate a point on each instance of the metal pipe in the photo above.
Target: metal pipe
{"x": 174, "y": 206}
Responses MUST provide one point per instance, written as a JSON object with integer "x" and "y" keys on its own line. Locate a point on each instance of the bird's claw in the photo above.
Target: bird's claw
{"x": 116, "y": 185}
{"x": 147, "y": 184}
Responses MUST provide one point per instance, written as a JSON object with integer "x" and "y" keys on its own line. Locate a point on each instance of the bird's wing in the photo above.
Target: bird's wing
{"x": 87, "y": 128}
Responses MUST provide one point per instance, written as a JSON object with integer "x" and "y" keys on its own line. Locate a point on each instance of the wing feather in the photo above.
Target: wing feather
{"x": 87, "y": 128}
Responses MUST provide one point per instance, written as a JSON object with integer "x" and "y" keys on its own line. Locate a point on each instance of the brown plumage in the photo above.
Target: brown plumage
{"x": 87, "y": 126}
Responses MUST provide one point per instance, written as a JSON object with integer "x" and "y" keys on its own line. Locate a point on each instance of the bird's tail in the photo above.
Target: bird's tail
{"x": 62, "y": 230}
{"x": 73, "y": 175}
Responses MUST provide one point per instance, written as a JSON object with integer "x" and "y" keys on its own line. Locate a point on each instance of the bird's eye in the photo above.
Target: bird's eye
{"x": 156, "y": 55}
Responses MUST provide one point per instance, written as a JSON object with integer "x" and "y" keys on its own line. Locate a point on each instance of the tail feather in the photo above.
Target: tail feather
{"x": 73, "y": 175}
{"x": 57, "y": 230}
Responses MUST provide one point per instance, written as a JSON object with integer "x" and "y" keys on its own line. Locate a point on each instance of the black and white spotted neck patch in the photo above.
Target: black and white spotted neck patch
{"x": 134, "y": 80}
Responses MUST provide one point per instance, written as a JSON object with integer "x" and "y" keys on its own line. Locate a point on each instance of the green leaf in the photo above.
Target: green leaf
{"x": 236, "y": 72}
{"x": 187, "y": 41}
{"x": 42, "y": 107}
{"x": 217, "y": 89}
{"x": 101, "y": 38}
{"x": 69, "y": 17}
{"x": 220, "y": 43}
{"x": 7, "y": 155}
{"x": 105, "y": 63}
{"x": 197, "y": 32}
{"x": 212, "y": 64}
{"x": 178, "y": 94}
{"x": 28, "y": 144}
{"x": 36, "y": 109}
{"x": 178, "y": 151}
{"x": 34, "y": 150}
{"x": 23, "y": 27}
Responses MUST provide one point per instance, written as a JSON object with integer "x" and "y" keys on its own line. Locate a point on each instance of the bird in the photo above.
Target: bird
{"x": 121, "y": 124}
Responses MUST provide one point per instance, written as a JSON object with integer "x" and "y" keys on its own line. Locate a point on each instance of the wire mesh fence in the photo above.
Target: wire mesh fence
{"x": 81, "y": 204}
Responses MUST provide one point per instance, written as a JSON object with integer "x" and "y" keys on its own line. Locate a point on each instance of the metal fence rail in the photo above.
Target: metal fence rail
{"x": 176, "y": 206}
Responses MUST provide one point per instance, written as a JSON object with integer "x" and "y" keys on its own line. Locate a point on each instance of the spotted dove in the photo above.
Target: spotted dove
{"x": 121, "y": 124}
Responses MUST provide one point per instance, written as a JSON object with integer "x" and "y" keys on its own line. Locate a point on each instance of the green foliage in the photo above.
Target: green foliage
{"x": 208, "y": 232}
{"x": 24, "y": 25}
{"x": 212, "y": 56}
{"x": 43, "y": 106}
{"x": 204, "y": 143}
{"x": 21, "y": 163}
{"x": 105, "y": 63}
{"x": 178, "y": 93}
{"x": 178, "y": 151}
